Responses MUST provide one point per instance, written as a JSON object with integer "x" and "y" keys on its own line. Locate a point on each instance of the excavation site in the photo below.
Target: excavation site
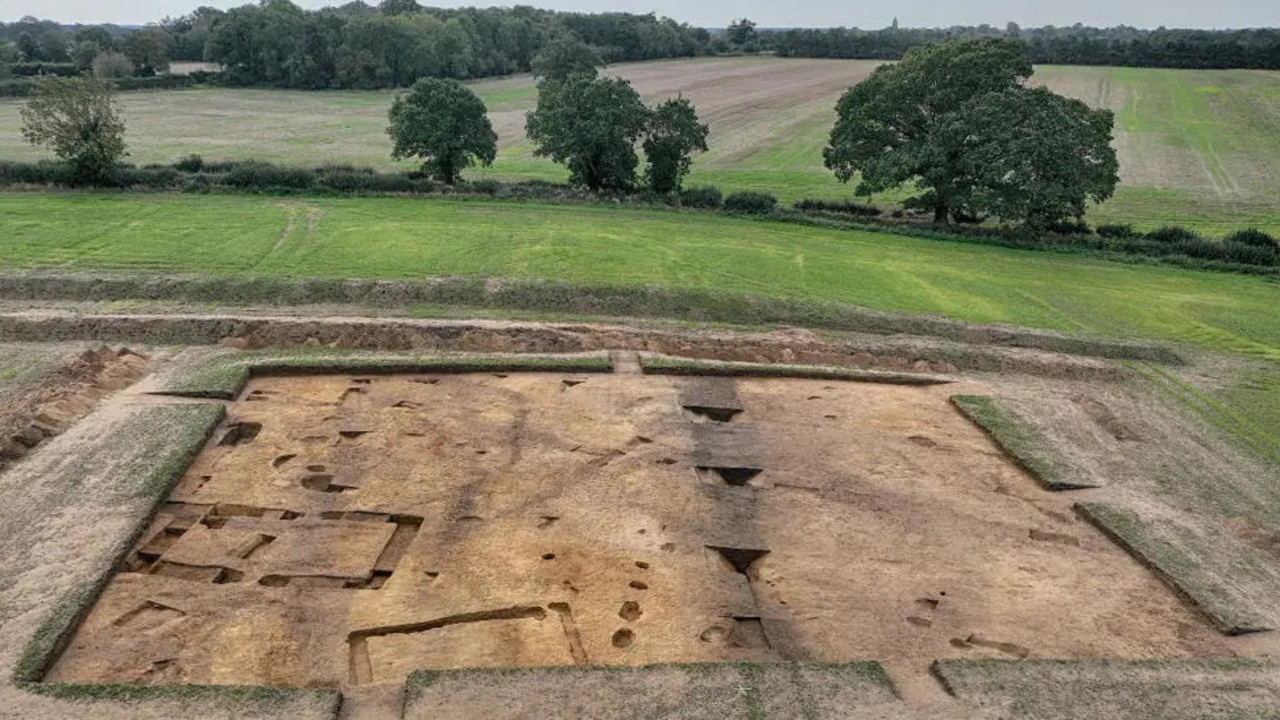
{"x": 340, "y": 531}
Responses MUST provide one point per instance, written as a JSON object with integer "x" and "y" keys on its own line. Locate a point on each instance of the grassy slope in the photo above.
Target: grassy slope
{"x": 405, "y": 238}
{"x": 1201, "y": 148}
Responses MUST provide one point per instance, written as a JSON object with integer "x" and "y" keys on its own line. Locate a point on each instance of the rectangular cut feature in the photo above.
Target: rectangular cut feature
{"x": 368, "y": 527}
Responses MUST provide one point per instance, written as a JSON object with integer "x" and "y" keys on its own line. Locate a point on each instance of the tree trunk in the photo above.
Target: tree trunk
{"x": 940, "y": 214}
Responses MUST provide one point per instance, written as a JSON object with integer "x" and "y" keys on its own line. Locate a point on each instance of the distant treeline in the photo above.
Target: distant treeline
{"x": 277, "y": 43}
{"x": 1076, "y": 45}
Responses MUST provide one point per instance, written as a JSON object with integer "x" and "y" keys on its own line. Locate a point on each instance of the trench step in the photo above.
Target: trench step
{"x": 625, "y": 362}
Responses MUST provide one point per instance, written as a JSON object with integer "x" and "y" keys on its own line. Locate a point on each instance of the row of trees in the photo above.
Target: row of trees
{"x": 955, "y": 121}
{"x": 588, "y": 123}
{"x": 34, "y": 46}
{"x": 356, "y": 46}
{"x": 1076, "y": 45}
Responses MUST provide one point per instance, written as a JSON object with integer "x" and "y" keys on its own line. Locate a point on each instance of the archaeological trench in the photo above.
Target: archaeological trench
{"x": 340, "y": 531}
{"x": 357, "y": 518}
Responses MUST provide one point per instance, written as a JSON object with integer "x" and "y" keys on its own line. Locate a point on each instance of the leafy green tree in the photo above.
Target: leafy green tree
{"x": 674, "y": 134}
{"x": 99, "y": 36}
{"x": 564, "y": 56}
{"x": 147, "y": 49}
{"x": 28, "y": 47}
{"x": 446, "y": 125}
{"x": 741, "y": 32}
{"x": 590, "y": 125}
{"x": 399, "y": 7}
{"x": 1029, "y": 155}
{"x": 8, "y": 56}
{"x": 88, "y": 43}
{"x": 83, "y": 53}
{"x": 884, "y": 124}
{"x": 78, "y": 118}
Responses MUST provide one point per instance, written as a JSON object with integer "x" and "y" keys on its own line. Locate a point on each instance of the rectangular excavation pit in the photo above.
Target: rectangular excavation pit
{"x": 504, "y": 520}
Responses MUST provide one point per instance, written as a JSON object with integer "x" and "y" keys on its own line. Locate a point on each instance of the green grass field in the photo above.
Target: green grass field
{"x": 410, "y": 238}
{"x": 1198, "y": 148}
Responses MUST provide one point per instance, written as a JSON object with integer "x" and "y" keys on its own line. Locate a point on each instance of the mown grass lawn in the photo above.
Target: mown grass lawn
{"x": 413, "y": 238}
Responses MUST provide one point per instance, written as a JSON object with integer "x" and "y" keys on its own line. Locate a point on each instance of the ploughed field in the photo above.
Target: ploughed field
{"x": 1197, "y": 148}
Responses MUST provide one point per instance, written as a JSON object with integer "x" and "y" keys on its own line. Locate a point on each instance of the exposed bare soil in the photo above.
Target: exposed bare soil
{"x": 344, "y": 531}
{"x": 37, "y": 412}
{"x": 989, "y": 348}
{"x": 732, "y": 96}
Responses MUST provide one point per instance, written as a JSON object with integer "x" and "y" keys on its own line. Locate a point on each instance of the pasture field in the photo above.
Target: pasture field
{"x": 1197, "y": 148}
{"x": 399, "y": 238}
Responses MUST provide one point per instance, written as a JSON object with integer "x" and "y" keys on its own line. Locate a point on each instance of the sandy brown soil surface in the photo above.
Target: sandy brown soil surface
{"x": 344, "y": 531}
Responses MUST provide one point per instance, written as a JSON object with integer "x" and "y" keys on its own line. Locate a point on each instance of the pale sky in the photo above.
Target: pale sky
{"x": 770, "y": 13}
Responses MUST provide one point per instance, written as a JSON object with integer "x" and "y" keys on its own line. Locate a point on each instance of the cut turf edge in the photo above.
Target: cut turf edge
{"x": 726, "y": 689}
{"x": 1175, "y": 554}
{"x": 223, "y": 377}
{"x": 165, "y": 439}
{"x": 1020, "y": 442}
{"x": 681, "y": 366}
{"x": 1210, "y": 689}
{"x": 164, "y": 456}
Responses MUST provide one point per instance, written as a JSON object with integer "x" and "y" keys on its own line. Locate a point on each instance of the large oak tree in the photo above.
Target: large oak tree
{"x": 939, "y": 121}
{"x": 443, "y": 123}
{"x": 590, "y": 125}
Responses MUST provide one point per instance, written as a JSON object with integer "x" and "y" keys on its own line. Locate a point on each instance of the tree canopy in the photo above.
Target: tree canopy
{"x": 1120, "y": 46}
{"x": 1030, "y": 155}
{"x": 78, "y": 118}
{"x": 741, "y": 32}
{"x": 148, "y": 50}
{"x": 590, "y": 125}
{"x": 920, "y": 122}
{"x": 564, "y": 56}
{"x": 446, "y": 125}
{"x": 278, "y": 43}
{"x": 673, "y": 135}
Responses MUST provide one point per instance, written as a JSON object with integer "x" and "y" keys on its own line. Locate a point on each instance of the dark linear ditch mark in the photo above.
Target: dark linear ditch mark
{"x": 571, "y": 632}
{"x": 735, "y": 476}
{"x": 747, "y": 631}
{"x": 740, "y": 559}
{"x": 148, "y": 607}
{"x": 240, "y": 433}
{"x": 149, "y": 559}
{"x": 324, "y": 483}
{"x": 361, "y": 667}
{"x": 715, "y": 414}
